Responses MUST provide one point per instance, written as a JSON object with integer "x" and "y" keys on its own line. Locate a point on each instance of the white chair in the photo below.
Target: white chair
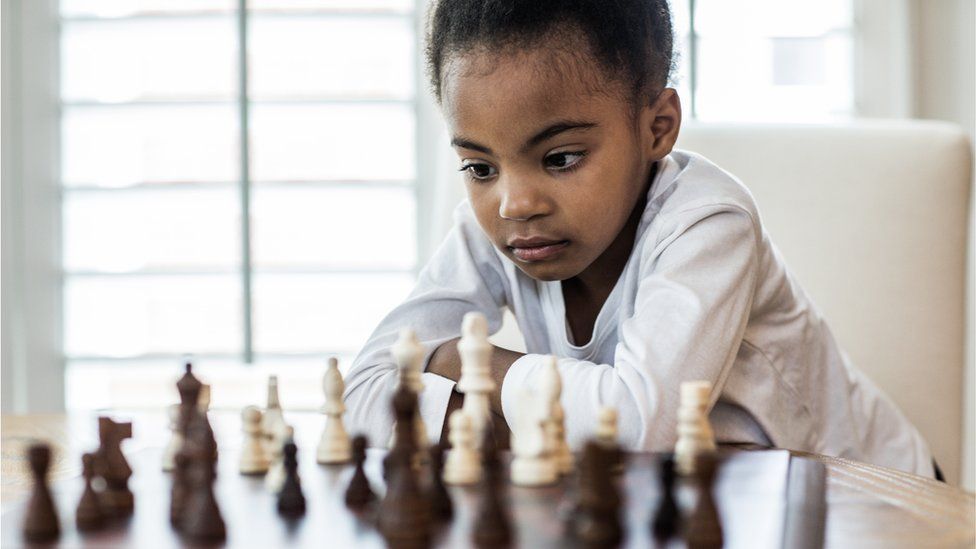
{"x": 871, "y": 217}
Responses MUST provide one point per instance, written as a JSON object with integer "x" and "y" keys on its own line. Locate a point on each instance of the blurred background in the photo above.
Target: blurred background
{"x": 253, "y": 182}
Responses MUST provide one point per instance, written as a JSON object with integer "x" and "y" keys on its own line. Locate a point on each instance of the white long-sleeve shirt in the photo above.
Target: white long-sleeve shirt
{"x": 704, "y": 295}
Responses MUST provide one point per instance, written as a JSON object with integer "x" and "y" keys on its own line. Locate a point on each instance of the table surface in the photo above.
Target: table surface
{"x": 866, "y": 506}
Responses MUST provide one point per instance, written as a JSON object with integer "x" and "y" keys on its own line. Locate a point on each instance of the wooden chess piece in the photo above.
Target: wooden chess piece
{"x": 41, "y": 521}
{"x": 667, "y": 517}
{"x": 254, "y": 458}
{"x": 334, "y": 446}
{"x": 291, "y": 501}
{"x": 189, "y": 388}
{"x": 202, "y": 521}
{"x": 404, "y": 517}
{"x": 597, "y": 522}
{"x": 359, "y": 494}
{"x": 111, "y": 465}
{"x": 492, "y": 526}
{"x": 704, "y": 530}
{"x": 89, "y": 515}
{"x": 440, "y": 500}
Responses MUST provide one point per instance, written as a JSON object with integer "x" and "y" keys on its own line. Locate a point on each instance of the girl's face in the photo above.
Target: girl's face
{"x": 555, "y": 158}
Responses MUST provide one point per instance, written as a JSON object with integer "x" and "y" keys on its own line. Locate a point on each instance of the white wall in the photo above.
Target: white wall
{"x": 944, "y": 68}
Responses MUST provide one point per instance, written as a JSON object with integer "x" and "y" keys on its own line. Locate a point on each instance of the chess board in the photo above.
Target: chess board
{"x": 765, "y": 498}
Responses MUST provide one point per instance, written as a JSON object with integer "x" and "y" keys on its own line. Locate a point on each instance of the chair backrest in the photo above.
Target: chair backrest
{"x": 872, "y": 219}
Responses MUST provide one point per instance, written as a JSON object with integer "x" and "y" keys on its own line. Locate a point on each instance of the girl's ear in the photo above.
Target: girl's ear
{"x": 660, "y": 122}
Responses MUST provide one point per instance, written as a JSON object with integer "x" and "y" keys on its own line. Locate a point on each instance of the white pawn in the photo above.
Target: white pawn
{"x": 273, "y": 419}
{"x": 532, "y": 464}
{"x": 254, "y": 456}
{"x": 409, "y": 355}
{"x": 606, "y": 429}
{"x": 463, "y": 463}
{"x": 175, "y": 441}
{"x": 476, "y": 382}
{"x": 275, "y": 478}
{"x": 694, "y": 431}
{"x": 203, "y": 400}
{"x": 334, "y": 445}
{"x": 552, "y": 388}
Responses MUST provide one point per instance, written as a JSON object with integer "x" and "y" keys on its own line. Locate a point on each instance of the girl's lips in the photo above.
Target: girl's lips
{"x": 539, "y": 253}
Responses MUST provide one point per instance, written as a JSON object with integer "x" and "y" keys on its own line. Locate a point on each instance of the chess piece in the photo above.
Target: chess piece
{"x": 89, "y": 515}
{"x": 41, "y": 520}
{"x": 275, "y": 479}
{"x": 189, "y": 388}
{"x": 111, "y": 465}
{"x": 492, "y": 525}
{"x": 273, "y": 418}
{"x": 254, "y": 455}
{"x": 476, "y": 382}
{"x": 597, "y": 520}
{"x": 440, "y": 500}
{"x": 704, "y": 529}
{"x": 404, "y": 515}
{"x": 667, "y": 517}
{"x": 334, "y": 444}
{"x": 409, "y": 356}
{"x": 532, "y": 464}
{"x": 291, "y": 501}
{"x": 551, "y": 390}
{"x": 463, "y": 464}
{"x": 404, "y": 448}
{"x": 203, "y": 400}
{"x": 176, "y": 438}
{"x": 606, "y": 436}
{"x": 201, "y": 520}
{"x": 359, "y": 494}
{"x": 694, "y": 431}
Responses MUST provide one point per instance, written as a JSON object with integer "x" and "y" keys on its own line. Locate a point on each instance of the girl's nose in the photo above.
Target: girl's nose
{"x": 522, "y": 200}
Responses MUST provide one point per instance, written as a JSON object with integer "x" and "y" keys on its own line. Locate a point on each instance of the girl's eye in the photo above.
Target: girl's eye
{"x": 479, "y": 171}
{"x": 564, "y": 160}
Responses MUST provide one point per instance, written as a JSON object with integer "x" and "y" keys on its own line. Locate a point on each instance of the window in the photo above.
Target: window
{"x": 236, "y": 207}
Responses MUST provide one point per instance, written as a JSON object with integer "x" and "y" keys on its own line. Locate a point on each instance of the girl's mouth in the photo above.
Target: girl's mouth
{"x": 539, "y": 252}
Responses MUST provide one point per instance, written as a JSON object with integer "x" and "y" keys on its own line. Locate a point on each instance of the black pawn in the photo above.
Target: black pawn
{"x": 89, "y": 516}
{"x": 667, "y": 518}
{"x": 598, "y": 513}
{"x": 440, "y": 500}
{"x": 41, "y": 523}
{"x": 492, "y": 527}
{"x": 704, "y": 529}
{"x": 291, "y": 501}
{"x": 404, "y": 517}
{"x": 359, "y": 494}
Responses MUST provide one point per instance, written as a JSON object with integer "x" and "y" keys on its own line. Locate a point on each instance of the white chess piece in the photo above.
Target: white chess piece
{"x": 532, "y": 465}
{"x": 476, "y": 382}
{"x": 551, "y": 389}
{"x": 275, "y": 478}
{"x": 694, "y": 431}
{"x": 254, "y": 455}
{"x": 175, "y": 441}
{"x": 463, "y": 463}
{"x": 273, "y": 418}
{"x": 203, "y": 400}
{"x": 334, "y": 445}
{"x": 606, "y": 429}
{"x": 409, "y": 355}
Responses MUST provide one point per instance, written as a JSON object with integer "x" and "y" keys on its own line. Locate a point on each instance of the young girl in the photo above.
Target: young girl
{"x": 638, "y": 265}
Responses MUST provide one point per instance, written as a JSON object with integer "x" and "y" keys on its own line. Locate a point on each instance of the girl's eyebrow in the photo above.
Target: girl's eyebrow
{"x": 548, "y": 133}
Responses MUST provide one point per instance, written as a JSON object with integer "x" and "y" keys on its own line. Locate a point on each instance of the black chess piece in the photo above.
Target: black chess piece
{"x": 492, "y": 525}
{"x": 667, "y": 518}
{"x": 359, "y": 494}
{"x": 704, "y": 529}
{"x": 291, "y": 501}
{"x": 89, "y": 515}
{"x": 189, "y": 388}
{"x": 597, "y": 522}
{"x": 41, "y": 520}
{"x": 440, "y": 500}
{"x": 404, "y": 515}
{"x": 111, "y": 465}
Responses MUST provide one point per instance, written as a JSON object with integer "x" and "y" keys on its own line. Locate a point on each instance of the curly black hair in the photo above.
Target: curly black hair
{"x": 632, "y": 40}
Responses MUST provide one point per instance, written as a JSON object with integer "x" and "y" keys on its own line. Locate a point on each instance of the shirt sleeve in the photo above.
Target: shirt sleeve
{"x": 692, "y": 304}
{"x": 464, "y": 275}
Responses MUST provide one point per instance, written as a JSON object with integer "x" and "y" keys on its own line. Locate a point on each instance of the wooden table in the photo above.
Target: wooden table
{"x": 866, "y": 506}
